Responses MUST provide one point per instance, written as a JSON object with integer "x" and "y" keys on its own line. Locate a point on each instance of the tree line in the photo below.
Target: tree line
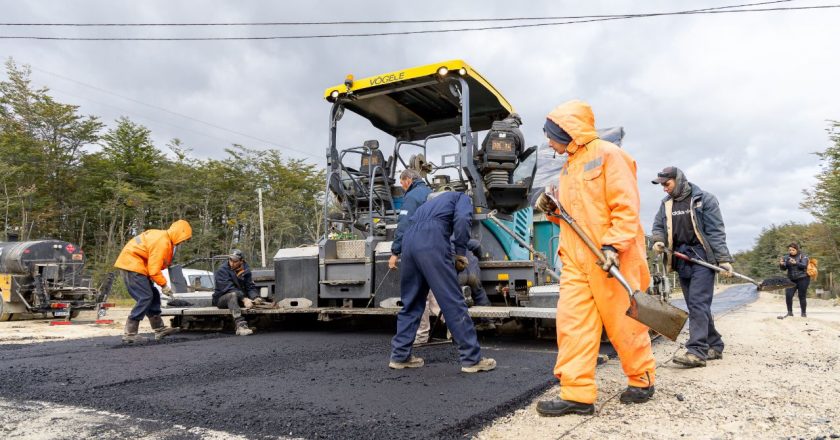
{"x": 71, "y": 177}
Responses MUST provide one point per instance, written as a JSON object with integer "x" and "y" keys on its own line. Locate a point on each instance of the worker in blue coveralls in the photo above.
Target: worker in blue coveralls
{"x": 427, "y": 262}
{"x": 416, "y": 193}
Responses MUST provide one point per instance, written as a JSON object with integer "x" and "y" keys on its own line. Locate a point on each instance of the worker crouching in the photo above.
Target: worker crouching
{"x": 234, "y": 289}
{"x": 141, "y": 262}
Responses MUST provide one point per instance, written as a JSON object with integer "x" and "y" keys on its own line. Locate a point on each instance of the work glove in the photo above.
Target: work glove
{"x": 247, "y": 303}
{"x": 659, "y": 247}
{"x": 461, "y": 263}
{"x": 545, "y": 204}
{"x": 610, "y": 258}
{"x": 392, "y": 262}
{"x": 166, "y": 290}
{"x": 727, "y": 269}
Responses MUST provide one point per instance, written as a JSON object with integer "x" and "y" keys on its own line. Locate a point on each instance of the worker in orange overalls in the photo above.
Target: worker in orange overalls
{"x": 142, "y": 261}
{"x": 599, "y": 189}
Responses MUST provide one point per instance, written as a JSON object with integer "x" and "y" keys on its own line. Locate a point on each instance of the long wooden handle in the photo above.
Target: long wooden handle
{"x": 588, "y": 241}
{"x": 685, "y": 257}
{"x": 569, "y": 220}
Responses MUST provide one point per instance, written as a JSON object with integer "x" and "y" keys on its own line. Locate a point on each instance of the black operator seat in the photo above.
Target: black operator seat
{"x": 372, "y": 157}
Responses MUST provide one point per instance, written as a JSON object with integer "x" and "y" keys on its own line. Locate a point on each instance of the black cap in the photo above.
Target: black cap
{"x": 235, "y": 255}
{"x": 556, "y": 133}
{"x": 664, "y": 175}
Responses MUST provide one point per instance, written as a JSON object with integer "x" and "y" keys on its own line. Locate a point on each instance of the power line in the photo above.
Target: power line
{"x": 428, "y": 31}
{"x": 163, "y": 109}
{"x": 351, "y": 22}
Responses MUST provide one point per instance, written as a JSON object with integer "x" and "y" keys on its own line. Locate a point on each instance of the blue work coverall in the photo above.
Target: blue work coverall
{"x": 415, "y": 197}
{"x": 427, "y": 262}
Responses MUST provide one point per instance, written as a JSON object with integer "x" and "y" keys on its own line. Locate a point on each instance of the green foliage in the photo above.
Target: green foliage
{"x": 56, "y": 184}
{"x": 824, "y": 199}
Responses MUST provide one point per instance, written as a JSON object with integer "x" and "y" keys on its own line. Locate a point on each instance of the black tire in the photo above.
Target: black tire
{"x": 74, "y": 314}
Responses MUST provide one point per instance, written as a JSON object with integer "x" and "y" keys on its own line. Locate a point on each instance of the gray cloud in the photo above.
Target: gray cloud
{"x": 738, "y": 101}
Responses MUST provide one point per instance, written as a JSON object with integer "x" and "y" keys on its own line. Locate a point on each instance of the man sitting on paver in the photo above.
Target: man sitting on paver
{"x": 234, "y": 286}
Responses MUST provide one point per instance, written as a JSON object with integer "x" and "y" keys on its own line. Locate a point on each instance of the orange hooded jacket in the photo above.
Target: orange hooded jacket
{"x": 598, "y": 187}
{"x": 151, "y": 252}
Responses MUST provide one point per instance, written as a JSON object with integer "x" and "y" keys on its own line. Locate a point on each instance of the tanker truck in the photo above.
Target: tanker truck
{"x": 46, "y": 277}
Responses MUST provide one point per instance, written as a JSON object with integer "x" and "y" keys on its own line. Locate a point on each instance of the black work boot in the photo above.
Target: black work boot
{"x": 689, "y": 360}
{"x": 130, "y": 334}
{"x": 161, "y": 330}
{"x": 560, "y": 407}
{"x": 789, "y": 313}
{"x": 637, "y": 394}
{"x": 804, "y": 315}
{"x": 713, "y": 355}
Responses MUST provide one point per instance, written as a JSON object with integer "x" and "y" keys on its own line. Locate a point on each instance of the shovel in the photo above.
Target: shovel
{"x": 658, "y": 315}
{"x": 775, "y": 283}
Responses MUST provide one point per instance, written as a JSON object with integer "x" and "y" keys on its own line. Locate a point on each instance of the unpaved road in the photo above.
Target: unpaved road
{"x": 778, "y": 379}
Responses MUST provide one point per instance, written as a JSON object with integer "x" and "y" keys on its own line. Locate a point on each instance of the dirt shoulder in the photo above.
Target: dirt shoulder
{"x": 777, "y": 379}
{"x": 27, "y": 331}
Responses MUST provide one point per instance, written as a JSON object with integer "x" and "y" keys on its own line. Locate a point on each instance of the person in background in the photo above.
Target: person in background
{"x": 471, "y": 277}
{"x": 796, "y": 265}
{"x": 141, "y": 262}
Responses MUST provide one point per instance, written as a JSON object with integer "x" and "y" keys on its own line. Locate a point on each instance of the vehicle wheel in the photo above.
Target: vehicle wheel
{"x": 74, "y": 314}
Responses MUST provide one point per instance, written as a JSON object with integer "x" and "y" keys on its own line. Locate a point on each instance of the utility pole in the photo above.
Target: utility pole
{"x": 262, "y": 228}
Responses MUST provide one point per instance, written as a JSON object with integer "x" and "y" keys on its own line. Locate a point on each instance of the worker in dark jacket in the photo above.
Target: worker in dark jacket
{"x": 234, "y": 286}
{"x": 427, "y": 262}
{"x": 689, "y": 221}
{"x": 416, "y": 193}
{"x": 796, "y": 265}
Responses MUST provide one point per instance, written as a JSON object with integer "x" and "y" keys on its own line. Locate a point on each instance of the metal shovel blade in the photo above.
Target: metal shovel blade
{"x": 660, "y": 316}
{"x": 775, "y": 283}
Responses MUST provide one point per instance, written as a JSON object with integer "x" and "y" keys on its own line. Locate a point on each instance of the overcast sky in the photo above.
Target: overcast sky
{"x": 738, "y": 101}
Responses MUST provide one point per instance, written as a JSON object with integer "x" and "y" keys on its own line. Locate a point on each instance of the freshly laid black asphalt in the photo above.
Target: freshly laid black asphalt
{"x": 729, "y": 299}
{"x": 312, "y": 384}
{"x": 322, "y": 382}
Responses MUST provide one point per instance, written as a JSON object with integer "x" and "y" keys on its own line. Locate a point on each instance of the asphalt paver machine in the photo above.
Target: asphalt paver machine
{"x": 446, "y": 107}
